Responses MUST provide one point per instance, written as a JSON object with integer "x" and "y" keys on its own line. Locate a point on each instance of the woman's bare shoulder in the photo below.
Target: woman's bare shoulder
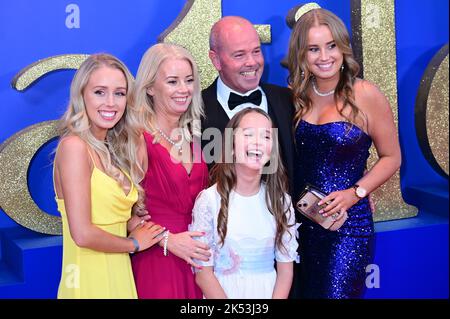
{"x": 369, "y": 97}
{"x": 72, "y": 147}
{"x": 367, "y": 89}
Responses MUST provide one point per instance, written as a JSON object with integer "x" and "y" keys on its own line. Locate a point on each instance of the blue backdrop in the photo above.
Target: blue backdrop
{"x": 412, "y": 254}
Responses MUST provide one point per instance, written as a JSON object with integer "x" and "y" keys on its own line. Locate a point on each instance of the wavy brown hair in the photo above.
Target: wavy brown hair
{"x": 300, "y": 77}
{"x": 224, "y": 175}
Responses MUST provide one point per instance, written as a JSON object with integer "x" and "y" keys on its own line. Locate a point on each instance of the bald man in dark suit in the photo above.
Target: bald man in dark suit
{"x": 235, "y": 51}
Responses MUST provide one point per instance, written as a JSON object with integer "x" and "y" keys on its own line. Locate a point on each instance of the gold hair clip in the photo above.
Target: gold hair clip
{"x": 304, "y": 9}
{"x": 294, "y": 14}
{"x": 298, "y": 11}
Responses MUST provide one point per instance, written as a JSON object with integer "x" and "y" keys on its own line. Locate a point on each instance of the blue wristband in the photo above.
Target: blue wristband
{"x": 136, "y": 245}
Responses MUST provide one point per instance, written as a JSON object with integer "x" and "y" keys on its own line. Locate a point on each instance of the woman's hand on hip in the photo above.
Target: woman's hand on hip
{"x": 136, "y": 220}
{"x": 185, "y": 247}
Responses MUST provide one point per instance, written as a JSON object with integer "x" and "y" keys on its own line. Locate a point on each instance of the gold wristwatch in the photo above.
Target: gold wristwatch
{"x": 359, "y": 191}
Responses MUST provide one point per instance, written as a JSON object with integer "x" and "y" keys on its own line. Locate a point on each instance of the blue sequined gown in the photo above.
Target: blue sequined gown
{"x": 333, "y": 157}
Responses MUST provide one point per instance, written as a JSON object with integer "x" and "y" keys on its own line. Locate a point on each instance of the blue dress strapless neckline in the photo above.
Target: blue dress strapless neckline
{"x": 333, "y": 156}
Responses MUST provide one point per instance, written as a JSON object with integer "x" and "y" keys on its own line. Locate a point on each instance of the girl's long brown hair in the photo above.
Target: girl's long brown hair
{"x": 300, "y": 77}
{"x": 224, "y": 174}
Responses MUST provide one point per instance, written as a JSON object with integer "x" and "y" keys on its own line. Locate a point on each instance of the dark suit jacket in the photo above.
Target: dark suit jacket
{"x": 281, "y": 110}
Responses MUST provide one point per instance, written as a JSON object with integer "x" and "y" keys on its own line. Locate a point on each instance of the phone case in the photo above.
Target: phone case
{"x": 308, "y": 206}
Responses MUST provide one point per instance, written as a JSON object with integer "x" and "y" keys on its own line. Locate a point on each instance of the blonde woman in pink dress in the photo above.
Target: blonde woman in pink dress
{"x": 169, "y": 106}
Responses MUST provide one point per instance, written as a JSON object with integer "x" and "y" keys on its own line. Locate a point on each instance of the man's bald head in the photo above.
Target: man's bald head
{"x": 226, "y": 27}
{"x": 235, "y": 52}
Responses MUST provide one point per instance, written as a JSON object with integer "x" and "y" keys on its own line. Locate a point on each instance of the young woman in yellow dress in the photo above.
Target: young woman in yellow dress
{"x": 96, "y": 177}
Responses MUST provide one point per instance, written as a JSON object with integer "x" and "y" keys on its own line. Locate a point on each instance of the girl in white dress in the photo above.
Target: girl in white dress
{"x": 247, "y": 216}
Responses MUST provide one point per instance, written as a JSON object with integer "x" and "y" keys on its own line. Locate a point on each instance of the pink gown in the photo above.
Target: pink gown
{"x": 170, "y": 196}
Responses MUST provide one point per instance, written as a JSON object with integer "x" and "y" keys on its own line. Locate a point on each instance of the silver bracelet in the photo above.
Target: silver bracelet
{"x": 166, "y": 239}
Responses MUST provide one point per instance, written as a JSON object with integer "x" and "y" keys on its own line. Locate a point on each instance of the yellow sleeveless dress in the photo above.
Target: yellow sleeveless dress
{"x": 88, "y": 273}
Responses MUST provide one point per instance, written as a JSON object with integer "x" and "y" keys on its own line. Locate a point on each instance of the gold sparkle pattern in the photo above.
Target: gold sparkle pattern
{"x": 16, "y": 154}
{"x": 191, "y": 30}
{"x": 34, "y": 71}
{"x": 380, "y": 67}
{"x": 264, "y": 32}
{"x": 438, "y": 115}
{"x": 305, "y": 8}
{"x": 431, "y": 112}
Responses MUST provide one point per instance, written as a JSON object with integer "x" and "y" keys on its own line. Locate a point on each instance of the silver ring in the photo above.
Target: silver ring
{"x": 334, "y": 216}
{"x": 141, "y": 222}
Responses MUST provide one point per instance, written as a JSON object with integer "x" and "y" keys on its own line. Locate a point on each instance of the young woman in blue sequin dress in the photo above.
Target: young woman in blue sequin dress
{"x": 338, "y": 117}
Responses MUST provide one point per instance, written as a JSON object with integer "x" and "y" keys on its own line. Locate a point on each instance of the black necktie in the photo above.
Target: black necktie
{"x": 235, "y": 99}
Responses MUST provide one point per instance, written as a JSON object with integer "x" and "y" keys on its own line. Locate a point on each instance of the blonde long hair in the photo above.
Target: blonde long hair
{"x": 300, "y": 77}
{"x": 146, "y": 77}
{"x": 118, "y": 153}
{"x": 224, "y": 174}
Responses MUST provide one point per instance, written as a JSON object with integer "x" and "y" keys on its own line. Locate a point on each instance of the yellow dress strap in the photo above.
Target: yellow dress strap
{"x": 90, "y": 155}
{"x": 54, "y": 161}
{"x": 53, "y": 174}
{"x": 120, "y": 170}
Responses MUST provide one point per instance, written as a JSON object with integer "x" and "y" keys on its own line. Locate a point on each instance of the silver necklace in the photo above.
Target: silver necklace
{"x": 317, "y": 91}
{"x": 178, "y": 145}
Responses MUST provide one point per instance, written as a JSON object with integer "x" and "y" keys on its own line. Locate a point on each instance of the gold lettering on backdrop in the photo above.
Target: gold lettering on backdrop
{"x": 373, "y": 24}
{"x": 34, "y": 71}
{"x": 191, "y": 30}
{"x": 373, "y": 30}
{"x": 431, "y": 112}
{"x": 16, "y": 154}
